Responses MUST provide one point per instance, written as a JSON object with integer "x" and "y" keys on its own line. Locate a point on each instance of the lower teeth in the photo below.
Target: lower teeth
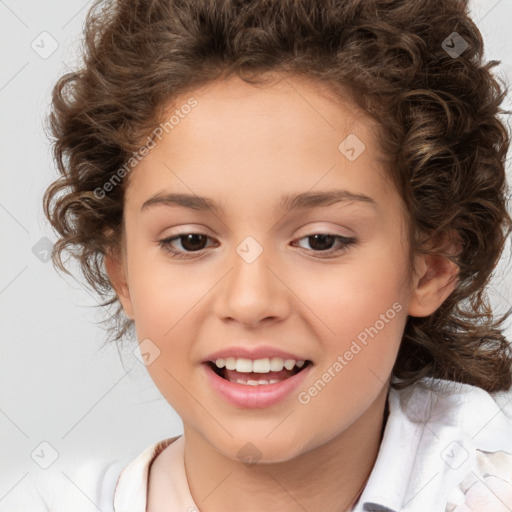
{"x": 256, "y": 382}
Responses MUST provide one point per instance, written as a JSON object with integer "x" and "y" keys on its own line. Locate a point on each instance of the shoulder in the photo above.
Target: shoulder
{"x": 81, "y": 485}
{"x": 444, "y": 401}
{"x": 468, "y": 431}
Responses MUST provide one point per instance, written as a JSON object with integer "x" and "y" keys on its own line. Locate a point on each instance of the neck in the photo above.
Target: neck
{"x": 329, "y": 477}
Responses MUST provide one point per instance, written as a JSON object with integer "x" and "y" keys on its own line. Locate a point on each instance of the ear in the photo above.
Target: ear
{"x": 118, "y": 277}
{"x": 435, "y": 279}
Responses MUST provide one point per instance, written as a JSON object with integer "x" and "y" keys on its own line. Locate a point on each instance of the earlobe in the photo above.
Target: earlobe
{"x": 117, "y": 275}
{"x": 435, "y": 280}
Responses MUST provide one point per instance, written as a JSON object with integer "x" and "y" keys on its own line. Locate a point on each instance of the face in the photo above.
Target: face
{"x": 262, "y": 276}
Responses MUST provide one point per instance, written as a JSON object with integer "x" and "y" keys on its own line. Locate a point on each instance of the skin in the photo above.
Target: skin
{"x": 243, "y": 146}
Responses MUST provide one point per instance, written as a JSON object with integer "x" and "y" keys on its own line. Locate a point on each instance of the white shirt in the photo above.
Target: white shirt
{"x": 446, "y": 447}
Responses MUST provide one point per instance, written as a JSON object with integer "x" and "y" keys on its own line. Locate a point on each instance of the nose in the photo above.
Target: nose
{"x": 253, "y": 292}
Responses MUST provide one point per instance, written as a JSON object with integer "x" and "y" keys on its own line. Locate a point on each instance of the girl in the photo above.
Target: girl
{"x": 296, "y": 207}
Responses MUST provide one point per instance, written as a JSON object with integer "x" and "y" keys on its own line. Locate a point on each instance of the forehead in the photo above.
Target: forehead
{"x": 295, "y": 108}
{"x": 244, "y": 138}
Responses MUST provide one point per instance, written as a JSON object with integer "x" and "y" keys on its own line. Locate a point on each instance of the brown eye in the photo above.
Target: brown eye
{"x": 323, "y": 242}
{"x": 190, "y": 243}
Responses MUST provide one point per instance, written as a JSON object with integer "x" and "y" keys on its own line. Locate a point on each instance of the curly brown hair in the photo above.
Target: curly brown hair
{"x": 438, "y": 112}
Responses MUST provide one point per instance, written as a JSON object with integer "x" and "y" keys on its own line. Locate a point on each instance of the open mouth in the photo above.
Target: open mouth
{"x": 251, "y": 378}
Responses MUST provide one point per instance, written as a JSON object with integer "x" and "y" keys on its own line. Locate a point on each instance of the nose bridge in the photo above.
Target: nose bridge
{"x": 252, "y": 291}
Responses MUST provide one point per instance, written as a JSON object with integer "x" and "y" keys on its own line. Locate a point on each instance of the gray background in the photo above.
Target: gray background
{"x": 56, "y": 385}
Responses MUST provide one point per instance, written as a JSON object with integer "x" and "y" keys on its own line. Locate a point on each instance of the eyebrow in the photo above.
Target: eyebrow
{"x": 288, "y": 202}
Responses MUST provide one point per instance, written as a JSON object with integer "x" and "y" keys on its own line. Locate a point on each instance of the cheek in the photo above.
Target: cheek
{"x": 365, "y": 314}
{"x": 362, "y": 308}
{"x": 166, "y": 301}
{"x": 161, "y": 292}
{"x": 350, "y": 297}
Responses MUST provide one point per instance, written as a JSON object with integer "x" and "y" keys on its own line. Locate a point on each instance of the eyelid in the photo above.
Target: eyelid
{"x": 313, "y": 229}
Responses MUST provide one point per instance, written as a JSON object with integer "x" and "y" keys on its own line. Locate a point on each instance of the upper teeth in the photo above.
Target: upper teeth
{"x": 274, "y": 364}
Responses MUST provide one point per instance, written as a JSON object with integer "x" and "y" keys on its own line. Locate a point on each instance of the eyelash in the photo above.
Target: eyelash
{"x": 165, "y": 244}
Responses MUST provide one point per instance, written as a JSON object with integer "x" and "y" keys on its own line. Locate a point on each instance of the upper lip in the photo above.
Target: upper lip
{"x": 260, "y": 352}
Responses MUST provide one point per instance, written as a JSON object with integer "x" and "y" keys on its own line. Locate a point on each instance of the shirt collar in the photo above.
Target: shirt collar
{"x": 132, "y": 486}
{"x": 433, "y": 430}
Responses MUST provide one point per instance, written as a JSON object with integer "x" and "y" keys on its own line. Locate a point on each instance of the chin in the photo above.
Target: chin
{"x": 261, "y": 450}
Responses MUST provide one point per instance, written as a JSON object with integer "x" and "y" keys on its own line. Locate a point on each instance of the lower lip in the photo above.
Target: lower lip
{"x": 255, "y": 397}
